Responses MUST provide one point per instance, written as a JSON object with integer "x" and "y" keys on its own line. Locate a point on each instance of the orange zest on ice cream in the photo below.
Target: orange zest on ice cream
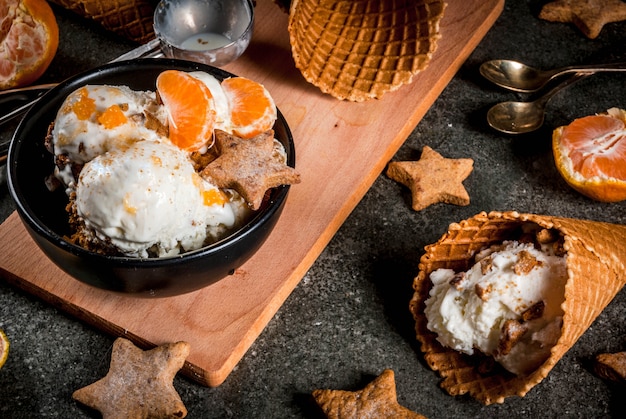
{"x": 213, "y": 197}
{"x": 112, "y": 117}
{"x": 85, "y": 106}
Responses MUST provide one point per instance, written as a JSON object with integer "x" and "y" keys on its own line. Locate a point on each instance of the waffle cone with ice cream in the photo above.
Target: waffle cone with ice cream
{"x": 131, "y": 19}
{"x": 595, "y": 255}
{"x": 360, "y": 49}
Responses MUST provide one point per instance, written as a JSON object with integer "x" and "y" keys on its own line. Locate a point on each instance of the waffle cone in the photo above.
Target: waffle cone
{"x": 596, "y": 253}
{"x": 131, "y": 19}
{"x": 360, "y": 49}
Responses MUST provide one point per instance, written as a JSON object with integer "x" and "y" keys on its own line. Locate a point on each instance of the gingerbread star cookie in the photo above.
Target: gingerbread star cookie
{"x": 139, "y": 383}
{"x": 377, "y": 400}
{"x": 248, "y": 166}
{"x": 589, "y": 16}
{"x": 611, "y": 366}
{"x": 433, "y": 178}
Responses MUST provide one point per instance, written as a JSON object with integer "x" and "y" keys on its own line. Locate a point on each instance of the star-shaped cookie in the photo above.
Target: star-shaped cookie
{"x": 589, "y": 16}
{"x": 433, "y": 178}
{"x": 139, "y": 383}
{"x": 248, "y": 166}
{"x": 377, "y": 400}
{"x": 611, "y": 366}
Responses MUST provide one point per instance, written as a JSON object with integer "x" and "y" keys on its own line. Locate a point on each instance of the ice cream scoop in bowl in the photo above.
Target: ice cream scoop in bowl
{"x": 213, "y": 32}
{"x": 45, "y": 217}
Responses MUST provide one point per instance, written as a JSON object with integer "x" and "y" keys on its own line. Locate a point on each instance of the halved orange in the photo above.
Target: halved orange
{"x": 590, "y": 154}
{"x": 29, "y": 37}
{"x": 189, "y": 104}
{"x": 4, "y": 348}
{"x": 252, "y": 109}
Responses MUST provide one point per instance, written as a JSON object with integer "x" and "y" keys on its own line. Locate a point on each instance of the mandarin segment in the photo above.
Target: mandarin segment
{"x": 595, "y": 142}
{"x": 29, "y": 37}
{"x": 590, "y": 155}
{"x": 191, "y": 113}
{"x": 252, "y": 109}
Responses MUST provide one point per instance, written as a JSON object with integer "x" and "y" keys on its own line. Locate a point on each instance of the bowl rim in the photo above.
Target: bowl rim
{"x": 57, "y": 95}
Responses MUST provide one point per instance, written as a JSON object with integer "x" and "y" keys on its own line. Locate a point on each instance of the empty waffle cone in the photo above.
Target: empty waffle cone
{"x": 595, "y": 258}
{"x": 360, "y": 49}
{"x": 131, "y": 19}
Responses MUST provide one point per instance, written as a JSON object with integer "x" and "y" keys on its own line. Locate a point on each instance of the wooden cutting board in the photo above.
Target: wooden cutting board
{"x": 341, "y": 148}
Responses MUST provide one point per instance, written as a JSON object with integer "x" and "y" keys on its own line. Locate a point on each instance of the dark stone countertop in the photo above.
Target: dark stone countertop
{"x": 348, "y": 319}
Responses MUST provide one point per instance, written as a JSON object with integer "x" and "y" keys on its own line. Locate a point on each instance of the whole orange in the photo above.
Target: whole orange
{"x": 29, "y": 38}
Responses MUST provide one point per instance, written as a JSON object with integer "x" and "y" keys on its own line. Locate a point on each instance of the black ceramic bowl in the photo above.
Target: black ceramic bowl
{"x": 43, "y": 212}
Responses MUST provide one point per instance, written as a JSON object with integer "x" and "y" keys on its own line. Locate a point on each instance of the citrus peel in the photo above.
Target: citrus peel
{"x": 4, "y": 348}
{"x": 29, "y": 38}
{"x": 590, "y": 155}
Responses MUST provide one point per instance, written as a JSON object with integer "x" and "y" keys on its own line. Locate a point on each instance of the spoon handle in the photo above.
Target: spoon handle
{"x": 543, "y": 99}
{"x": 591, "y": 68}
{"x": 587, "y": 69}
{"x": 15, "y": 102}
{"x": 519, "y": 77}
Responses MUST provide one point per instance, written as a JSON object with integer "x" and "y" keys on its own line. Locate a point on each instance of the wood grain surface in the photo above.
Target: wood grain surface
{"x": 341, "y": 147}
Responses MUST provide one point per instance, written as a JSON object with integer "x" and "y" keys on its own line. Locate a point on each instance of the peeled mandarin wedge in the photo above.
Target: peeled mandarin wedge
{"x": 252, "y": 109}
{"x": 4, "y": 348}
{"x": 590, "y": 154}
{"x": 189, "y": 103}
{"x": 29, "y": 37}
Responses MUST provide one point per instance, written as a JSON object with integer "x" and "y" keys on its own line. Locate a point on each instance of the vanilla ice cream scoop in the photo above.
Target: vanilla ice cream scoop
{"x": 507, "y": 305}
{"x": 146, "y": 199}
{"x": 96, "y": 119}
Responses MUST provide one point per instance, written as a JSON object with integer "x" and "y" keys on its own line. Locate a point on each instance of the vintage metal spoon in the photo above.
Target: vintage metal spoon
{"x": 524, "y": 117}
{"x": 519, "y": 77}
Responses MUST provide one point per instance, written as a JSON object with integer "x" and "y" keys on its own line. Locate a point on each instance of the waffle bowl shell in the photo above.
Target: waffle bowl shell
{"x": 595, "y": 253}
{"x": 358, "y": 50}
{"x": 131, "y": 19}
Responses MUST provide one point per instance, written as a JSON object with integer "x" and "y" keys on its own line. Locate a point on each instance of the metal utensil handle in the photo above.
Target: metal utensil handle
{"x": 25, "y": 94}
{"x": 151, "y": 49}
{"x": 596, "y": 68}
{"x": 565, "y": 83}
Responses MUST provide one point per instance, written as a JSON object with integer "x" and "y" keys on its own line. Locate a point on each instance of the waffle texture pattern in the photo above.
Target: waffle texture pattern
{"x": 131, "y": 19}
{"x": 360, "y": 49}
{"x": 595, "y": 255}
